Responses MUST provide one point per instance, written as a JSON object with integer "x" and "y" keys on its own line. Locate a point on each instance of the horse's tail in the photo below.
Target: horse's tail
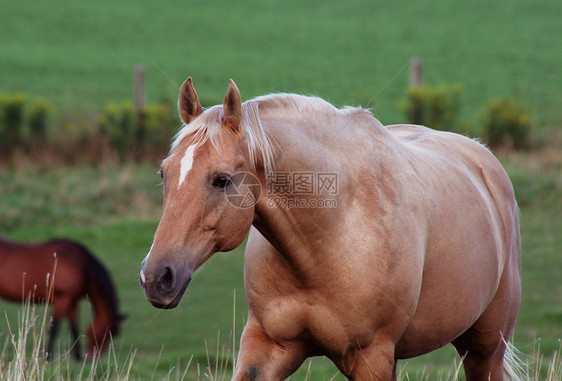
{"x": 103, "y": 297}
{"x": 514, "y": 366}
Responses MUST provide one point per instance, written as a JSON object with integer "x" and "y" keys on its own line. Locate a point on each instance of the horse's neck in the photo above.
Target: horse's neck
{"x": 315, "y": 153}
{"x": 101, "y": 292}
{"x": 104, "y": 316}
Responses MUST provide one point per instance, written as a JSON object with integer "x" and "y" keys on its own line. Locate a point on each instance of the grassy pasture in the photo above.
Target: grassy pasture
{"x": 121, "y": 238}
{"x": 81, "y": 55}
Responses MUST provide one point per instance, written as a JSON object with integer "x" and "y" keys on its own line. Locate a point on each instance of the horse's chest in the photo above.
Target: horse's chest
{"x": 309, "y": 319}
{"x": 283, "y": 318}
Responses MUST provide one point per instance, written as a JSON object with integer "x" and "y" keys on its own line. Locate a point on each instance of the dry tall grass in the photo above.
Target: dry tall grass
{"x": 23, "y": 358}
{"x": 23, "y": 353}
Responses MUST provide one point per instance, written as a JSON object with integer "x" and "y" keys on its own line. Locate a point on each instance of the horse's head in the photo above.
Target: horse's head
{"x": 198, "y": 218}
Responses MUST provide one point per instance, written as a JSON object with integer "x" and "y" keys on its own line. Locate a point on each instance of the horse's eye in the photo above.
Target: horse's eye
{"x": 221, "y": 181}
{"x": 161, "y": 173}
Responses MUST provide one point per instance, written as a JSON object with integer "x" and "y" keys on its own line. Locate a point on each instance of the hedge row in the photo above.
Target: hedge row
{"x": 505, "y": 123}
{"x": 119, "y": 131}
{"x": 13, "y": 128}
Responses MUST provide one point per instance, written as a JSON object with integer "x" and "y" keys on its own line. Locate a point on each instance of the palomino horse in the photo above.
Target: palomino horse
{"x": 419, "y": 246}
{"x": 61, "y": 272}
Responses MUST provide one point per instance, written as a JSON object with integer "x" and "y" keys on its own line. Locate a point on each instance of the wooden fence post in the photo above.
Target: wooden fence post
{"x": 140, "y": 95}
{"x": 140, "y": 103}
{"x": 416, "y": 72}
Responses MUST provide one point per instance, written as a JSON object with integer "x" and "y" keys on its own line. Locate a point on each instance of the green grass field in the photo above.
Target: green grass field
{"x": 81, "y": 55}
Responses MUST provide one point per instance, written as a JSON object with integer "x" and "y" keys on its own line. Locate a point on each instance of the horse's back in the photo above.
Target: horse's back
{"x": 466, "y": 154}
{"x": 29, "y": 268}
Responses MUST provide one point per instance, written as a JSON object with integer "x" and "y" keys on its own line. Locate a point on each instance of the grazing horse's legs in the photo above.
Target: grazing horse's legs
{"x": 73, "y": 318}
{"x": 261, "y": 358}
{"x": 52, "y": 333}
{"x": 61, "y": 308}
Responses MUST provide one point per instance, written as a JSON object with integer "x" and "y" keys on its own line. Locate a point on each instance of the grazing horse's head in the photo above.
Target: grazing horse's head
{"x": 198, "y": 219}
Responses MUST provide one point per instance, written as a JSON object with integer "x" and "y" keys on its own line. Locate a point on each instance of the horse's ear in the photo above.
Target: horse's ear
{"x": 188, "y": 103}
{"x": 232, "y": 107}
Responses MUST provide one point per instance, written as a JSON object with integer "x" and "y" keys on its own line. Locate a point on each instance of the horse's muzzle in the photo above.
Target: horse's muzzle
{"x": 164, "y": 286}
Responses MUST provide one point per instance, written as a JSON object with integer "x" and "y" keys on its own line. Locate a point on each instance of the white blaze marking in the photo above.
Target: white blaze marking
{"x": 186, "y": 164}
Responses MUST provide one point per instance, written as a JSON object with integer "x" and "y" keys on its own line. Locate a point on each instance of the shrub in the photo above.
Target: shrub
{"x": 118, "y": 124}
{"x": 129, "y": 134}
{"x": 2, "y": 128}
{"x": 435, "y": 107}
{"x": 160, "y": 124}
{"x": 38, "y": 119}
{"x": 11, "y": 125}
{"x": 507, "y": 124}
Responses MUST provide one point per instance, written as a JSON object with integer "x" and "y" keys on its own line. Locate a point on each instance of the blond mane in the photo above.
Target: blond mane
{"x": 255, "y": 113}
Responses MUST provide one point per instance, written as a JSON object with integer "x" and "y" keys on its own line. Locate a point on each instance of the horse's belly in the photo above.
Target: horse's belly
{"x": 33, "y": 278}
{"x": 420, "y": 339}
{"x": 463, "y": 263}
{"x": 450, "y": 302}
{"x": 18, "y": 288}
{"x": 436, "y": 324}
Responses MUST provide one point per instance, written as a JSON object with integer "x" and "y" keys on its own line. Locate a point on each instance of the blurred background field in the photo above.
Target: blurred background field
{"x": 79, "y": 56}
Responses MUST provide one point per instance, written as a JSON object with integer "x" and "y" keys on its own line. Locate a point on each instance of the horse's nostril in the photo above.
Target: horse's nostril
{"x": 167, "y": 280}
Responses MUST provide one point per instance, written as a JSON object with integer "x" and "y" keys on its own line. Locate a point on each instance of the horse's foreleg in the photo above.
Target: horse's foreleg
{"x": 73, "y": 317}
{"x": 374, "y": 363}
{"x": 262, "y": 358}
{"x": 52, "y": 334}
{"x": 61, "y": 308}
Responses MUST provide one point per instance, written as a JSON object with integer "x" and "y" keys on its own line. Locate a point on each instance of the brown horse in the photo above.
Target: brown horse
{"x": 367, "y": 244}
{"x": 61, "y": 272}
